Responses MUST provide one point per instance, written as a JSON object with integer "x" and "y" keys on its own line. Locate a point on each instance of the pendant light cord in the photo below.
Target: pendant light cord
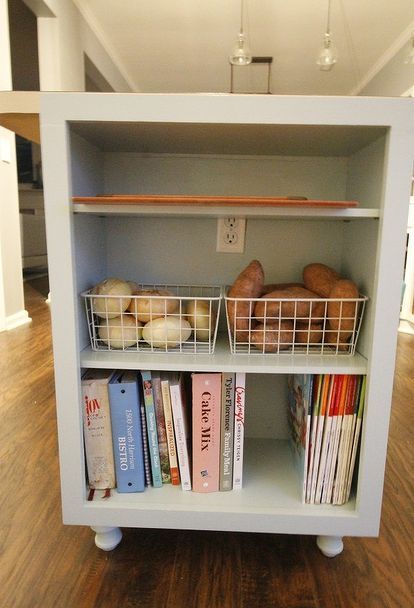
{"x": 328, "y": 19}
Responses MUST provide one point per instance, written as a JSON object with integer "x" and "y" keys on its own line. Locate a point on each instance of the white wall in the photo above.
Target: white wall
{"x": 12, "y": 312}
{"x": 10, "y": 246}
{"x": 394, "y": 79}
{"x": 63, "y": 39}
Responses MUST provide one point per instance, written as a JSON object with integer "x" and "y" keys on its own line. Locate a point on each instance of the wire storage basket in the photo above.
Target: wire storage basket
{"x": 320, "y": 326}
{"x": 157, "y": 318}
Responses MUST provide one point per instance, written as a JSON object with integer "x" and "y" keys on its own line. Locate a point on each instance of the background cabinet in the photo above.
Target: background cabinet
{"x": 322, "y": 148}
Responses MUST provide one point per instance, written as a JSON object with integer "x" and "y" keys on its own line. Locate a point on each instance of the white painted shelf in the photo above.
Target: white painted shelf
{"x": 213, "y": 212}
{"x": 223, "y": 360}
{"x": 270, "y": 490}
{"x": 323, "y": 148}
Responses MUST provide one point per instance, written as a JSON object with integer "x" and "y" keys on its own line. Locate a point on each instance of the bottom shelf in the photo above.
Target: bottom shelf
{"x": 268, "y": 502}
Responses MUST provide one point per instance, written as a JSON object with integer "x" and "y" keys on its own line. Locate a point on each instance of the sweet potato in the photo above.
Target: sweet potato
{"x": 306, "y": 333}
{"x": 274, "y": 286}
{"x": 320, "y": 278}
{"x": 249, "y": 284}
{"x": 273, "y": 338}
{"x": 270, "y": 310}
{"x": 342, "y": 314}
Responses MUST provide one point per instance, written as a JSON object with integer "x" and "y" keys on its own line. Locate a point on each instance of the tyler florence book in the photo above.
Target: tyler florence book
{"x": 206, "y": 431}
{"x": 127, "y": 432}
{"x": 227, "y": 431}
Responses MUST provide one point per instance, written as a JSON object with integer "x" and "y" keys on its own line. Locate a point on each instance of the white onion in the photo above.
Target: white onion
{"x": 150, "y": 304}
{"x": 120, "y": 332}
{"x": 202, "y": 318}
{"x": 114, "y": 304}
{"x": 166, "y": 332}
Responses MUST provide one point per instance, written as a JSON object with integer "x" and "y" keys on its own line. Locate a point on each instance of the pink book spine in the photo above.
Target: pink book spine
{"x": 206, "y": 432}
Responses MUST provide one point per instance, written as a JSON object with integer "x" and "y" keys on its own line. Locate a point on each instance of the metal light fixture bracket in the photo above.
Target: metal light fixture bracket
{"x": 255, "y": 61}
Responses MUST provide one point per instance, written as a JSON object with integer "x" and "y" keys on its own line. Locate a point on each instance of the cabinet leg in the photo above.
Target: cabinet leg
{"x": 330, "y": 546}
{"x": 107, "y": 538}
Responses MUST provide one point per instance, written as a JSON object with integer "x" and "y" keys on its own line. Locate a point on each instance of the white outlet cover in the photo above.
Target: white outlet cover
{"x": 238, "y": 231}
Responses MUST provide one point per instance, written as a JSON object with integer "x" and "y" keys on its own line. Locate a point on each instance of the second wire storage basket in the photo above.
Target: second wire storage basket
{"x": 159, "y": 318}
{"x": 321, "y": 326}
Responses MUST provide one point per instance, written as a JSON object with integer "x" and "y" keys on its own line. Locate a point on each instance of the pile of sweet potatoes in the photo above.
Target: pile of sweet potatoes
{"x": 277, "y": 316}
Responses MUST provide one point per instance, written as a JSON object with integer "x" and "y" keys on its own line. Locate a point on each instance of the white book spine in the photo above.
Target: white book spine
{"x": 181, "y": 435}
{"x": 239, "y": 413}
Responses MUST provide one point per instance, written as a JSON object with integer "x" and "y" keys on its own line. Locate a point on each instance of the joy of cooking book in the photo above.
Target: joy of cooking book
{"x": 97, "y": 429}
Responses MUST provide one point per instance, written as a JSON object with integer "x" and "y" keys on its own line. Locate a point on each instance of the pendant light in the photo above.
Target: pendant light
{"x": 241, "y": 54}
{"x": 327, "y": 56}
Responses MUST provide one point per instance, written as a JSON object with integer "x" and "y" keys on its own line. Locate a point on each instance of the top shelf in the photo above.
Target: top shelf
{"x": 149, "y": 204}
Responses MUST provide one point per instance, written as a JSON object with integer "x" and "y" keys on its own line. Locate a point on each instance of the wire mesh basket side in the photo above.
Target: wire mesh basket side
{"x": 287, "y": 326}
{"x": 155, "y": 323}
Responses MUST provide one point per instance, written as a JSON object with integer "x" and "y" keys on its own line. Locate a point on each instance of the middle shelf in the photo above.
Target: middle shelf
{"x": 223, "y": 360}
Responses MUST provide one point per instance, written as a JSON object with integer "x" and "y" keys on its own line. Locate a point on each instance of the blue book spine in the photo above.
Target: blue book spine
{"x": 127, "y": 432}
{"x": 151, "y": 429}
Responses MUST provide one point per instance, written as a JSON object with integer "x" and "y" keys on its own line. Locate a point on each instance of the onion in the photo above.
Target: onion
{"x": 202, "y": 318}
{"x": 113, "y": 305}
{"x": 166, "y": 332}
{"x": 149, "y": 304}
{"x": 120, "y": 332}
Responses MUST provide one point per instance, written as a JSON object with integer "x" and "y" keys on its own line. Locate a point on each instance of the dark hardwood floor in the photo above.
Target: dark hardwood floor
{"x": 45, "y": 564}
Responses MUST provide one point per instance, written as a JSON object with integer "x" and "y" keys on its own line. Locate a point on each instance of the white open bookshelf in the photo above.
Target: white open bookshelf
{"x": 323, "y": 148}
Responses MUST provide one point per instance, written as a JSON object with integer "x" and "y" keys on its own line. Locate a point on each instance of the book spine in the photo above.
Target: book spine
{"x": 227, "y": 432}
{"x": 325, "y": 439}
{"x": 308, "y": 413}
{"x": 319, "y": 431}
{"x": 151, "y": 430}
{"x": 98, "y": 435}
{"x": 161, "y": 429}
{"x": 239, "y": 412}
{"x": 355, "y": 440}
{"x": 181, "y": 433}
{"x": 314, "y": 422}
{"x": 206, "y": 432}
{"x": 127, "y": 436}
{"x": 339, "y": 417}
{"x": 169, "y": 427}
{"x": 145, "y": 448}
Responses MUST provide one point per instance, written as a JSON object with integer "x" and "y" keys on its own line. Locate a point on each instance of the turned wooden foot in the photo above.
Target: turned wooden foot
{"x": 107, "y": 538}
{"x": 330, "y": 546}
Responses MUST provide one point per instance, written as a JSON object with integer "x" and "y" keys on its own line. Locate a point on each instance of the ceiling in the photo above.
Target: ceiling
{"x": 183, "y": 45}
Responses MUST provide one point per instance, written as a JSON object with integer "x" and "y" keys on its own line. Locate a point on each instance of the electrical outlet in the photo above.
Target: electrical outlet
{"x": 230, "y": 234}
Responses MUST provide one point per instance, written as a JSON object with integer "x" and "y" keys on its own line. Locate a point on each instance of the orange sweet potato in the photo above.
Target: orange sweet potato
{"x": 249, "y": 284}
{"x": 308, "y": 333}
{"x": 342, "y": 314}
{"x": 320, "y": 278}
{"x": 273, "y": 338}
{"x": 274, "y": 286}
{"x": 271, "y": 309}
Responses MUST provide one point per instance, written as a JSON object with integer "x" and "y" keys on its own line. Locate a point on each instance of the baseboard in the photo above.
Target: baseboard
{"x": 406, "y": 327}
{"x": 17, "y": 319}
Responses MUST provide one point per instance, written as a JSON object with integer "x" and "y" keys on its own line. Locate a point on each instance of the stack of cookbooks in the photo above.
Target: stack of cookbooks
{"x": 151, "y": 428}
{"x": 325, "y": 417}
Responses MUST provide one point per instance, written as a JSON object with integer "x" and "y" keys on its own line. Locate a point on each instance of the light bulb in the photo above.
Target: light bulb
{"x": 241, "y": 54}
{"x": 328, "y": 56}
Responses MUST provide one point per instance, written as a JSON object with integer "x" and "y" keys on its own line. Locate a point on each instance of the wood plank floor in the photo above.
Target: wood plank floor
{"x": 45, "y": 564}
